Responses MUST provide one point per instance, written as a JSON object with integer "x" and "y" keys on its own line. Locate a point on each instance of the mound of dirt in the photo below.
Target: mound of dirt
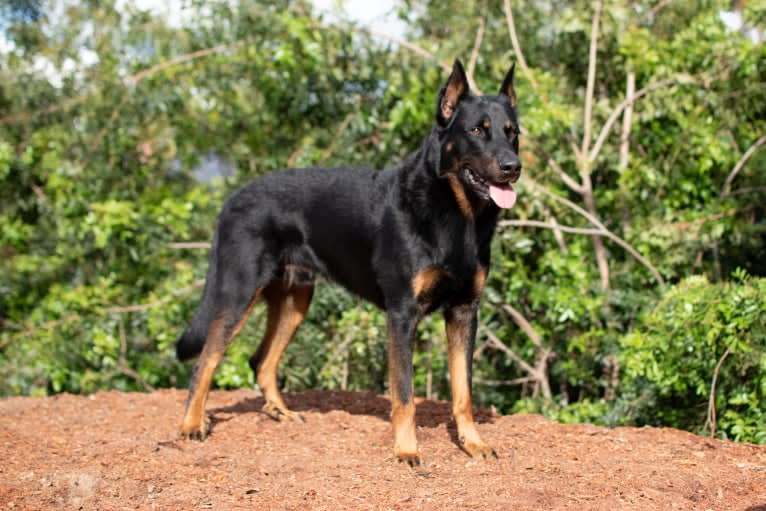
{"x": 119, "y": 451}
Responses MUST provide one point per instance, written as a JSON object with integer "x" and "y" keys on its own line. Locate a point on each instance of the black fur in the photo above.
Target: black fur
{"x": 373, "y": 231}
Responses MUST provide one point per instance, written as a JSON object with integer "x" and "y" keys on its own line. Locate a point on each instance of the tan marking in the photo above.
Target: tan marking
{"x": 287, "y": 306}
{"x": 508, "y": 125}
{"x": 403, "y": 423}
{"x": 194, "y": 422}
{"x": 462, "y": 200}
{"x": 449, "y": 146}
{"x": 425, "y": 280}
{"x": 479, "y": 279}
{"x": 462, "y": 406}
{"x": 402, "y": 415}
{"x": 485, "y": 124}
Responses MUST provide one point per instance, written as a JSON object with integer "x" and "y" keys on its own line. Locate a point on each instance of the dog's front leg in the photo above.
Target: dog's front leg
{"x": 402, "y": 325}
{"x": 461, "y": 332}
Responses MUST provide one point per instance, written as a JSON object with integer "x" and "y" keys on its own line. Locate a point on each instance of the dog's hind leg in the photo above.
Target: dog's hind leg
{"x": 222, "y": 330}
{"x": 287, "y": 306}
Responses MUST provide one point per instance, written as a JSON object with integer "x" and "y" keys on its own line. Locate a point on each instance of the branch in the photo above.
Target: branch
{"x": 500, "y": 345}
{"x": 566, "y": 178}
{"x": 497, "y": 383}
{"x": 517, "y": 47}
{"x": 183, "y": 58}
{"x": 67, "y": 104}
{"x": 189, "y": 244}
{"x": 603, "y": 230}
{"x": 155, "y": 303}
{"x": 524, "y": 325}
{"x": 550, "y": 225}
{"x": 475, "y": 52}
{"x": 654, "y": 10}
{"x": 591, "y": 78}
{"x": 711, "y": 418}
{"x": 749, "y": 189}
{"x": 726, "y": 191}
{"x": 26, "y": 116}
{"x": 618, "y": 110}
{"x": 539, "y": 373}
{"x": 122, "y": 362}
{"x": 626, "y": 122}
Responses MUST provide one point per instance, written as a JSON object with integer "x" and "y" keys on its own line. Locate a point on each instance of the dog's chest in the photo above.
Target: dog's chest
{"x": 455, "y": 278}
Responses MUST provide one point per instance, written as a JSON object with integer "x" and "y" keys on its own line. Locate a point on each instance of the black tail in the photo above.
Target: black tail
{"x": 191, "y": 342}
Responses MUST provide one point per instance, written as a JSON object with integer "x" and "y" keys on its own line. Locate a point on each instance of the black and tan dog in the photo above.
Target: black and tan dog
{"x": 412, "y": 239}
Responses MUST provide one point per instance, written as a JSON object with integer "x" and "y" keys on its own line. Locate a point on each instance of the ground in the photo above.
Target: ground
{"x": 113, "y": 451}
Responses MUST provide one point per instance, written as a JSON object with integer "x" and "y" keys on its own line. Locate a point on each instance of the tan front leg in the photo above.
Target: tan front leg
{"x": 400, "y": 340}
{"x": 461, "y": 331}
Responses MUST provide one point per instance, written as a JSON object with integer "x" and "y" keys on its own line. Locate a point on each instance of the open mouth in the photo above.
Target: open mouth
{"x": 502, "y": 194}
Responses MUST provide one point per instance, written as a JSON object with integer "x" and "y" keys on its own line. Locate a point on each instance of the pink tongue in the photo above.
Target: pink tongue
{"x": 504, "y": 196}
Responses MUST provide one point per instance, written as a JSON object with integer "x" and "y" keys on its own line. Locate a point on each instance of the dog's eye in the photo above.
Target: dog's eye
{"x": 476, "y": 131}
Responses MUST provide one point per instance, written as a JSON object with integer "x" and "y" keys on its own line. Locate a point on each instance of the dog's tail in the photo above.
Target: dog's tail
{"x": 191, "y": 342}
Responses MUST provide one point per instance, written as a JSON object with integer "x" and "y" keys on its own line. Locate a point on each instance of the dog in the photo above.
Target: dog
{"x": 412, "y": 239}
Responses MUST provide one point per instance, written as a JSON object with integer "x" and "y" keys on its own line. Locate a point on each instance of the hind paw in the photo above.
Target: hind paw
{"x": 281, "y": 413}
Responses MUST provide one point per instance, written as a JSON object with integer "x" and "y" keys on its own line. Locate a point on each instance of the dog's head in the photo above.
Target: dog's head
{"x": 479, "y": 140}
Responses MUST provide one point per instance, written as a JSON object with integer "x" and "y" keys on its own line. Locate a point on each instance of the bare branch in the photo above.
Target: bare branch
{"x": 549, "y": 225}
{"x": 525, "y": 325}
{"x": 496, "y": 383}
{"x": 566, "y": 178}
{"x": 711, "y": 422}
{"x": 189, "y": 244}
{"x": 69, "y": 103}
{"x": 748, "y": 189}
{"x": 155, "y": 303}
{"x": 27, "y": 116}
{"x": 122, "y": 362}
{"x": 618, "y": 110}
{"x": 726, "y": 191}
{"x": 539, "y": 373}
{"x": 517, "y": 47}
{"x": 654, "y": 10}
{"x": 626, "y": 122}
{"x": 496, "y": 343}
{"x": 182, "y": 59}
{"x": 591, "y": 77}
{"x": 604, "y": 231}
{"x": 475, "y": 52}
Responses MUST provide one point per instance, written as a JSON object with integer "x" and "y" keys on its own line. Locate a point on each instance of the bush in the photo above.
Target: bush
{"x": 670, "y": 359}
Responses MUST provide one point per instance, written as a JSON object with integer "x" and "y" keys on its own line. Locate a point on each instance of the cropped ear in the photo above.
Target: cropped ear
{"x": 451, "y": 94}
{"x": 507, "y": 88}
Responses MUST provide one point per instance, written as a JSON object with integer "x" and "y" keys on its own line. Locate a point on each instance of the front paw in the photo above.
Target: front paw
{"x": 195, "y": 430}
{"x": 410, "y": 458}
{"x": 478, "y": 449}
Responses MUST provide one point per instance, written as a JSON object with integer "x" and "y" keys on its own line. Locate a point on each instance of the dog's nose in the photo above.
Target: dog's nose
{"x": 511, "y": 168}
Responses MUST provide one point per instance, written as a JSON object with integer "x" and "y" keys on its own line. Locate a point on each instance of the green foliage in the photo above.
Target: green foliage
{"x": 102, "y": 164}
{"x": 672, "y": 355}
